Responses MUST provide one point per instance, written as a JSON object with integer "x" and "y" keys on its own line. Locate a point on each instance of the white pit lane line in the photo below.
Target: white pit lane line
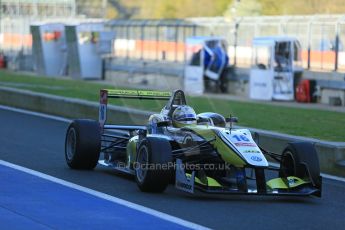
{"x": 37, "y": 114}
{"x": 62, "y": 119}
{"x": 104, "y": 196}
{"x": 107, "y": 197}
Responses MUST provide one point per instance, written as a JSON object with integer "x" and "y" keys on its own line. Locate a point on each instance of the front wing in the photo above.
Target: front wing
{"x": 290, "y": 186}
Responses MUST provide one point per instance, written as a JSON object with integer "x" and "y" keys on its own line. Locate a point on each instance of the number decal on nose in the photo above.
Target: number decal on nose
{"x": 240, "y": 138}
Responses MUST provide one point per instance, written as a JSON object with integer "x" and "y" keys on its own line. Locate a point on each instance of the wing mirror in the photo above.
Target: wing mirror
{"x": 231, "y": 119}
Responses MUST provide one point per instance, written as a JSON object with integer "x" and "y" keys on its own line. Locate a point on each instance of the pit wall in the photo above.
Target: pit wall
{"x": 331, "y": 154}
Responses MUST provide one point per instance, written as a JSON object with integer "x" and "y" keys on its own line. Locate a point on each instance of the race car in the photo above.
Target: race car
{"x": 197, "y": 152}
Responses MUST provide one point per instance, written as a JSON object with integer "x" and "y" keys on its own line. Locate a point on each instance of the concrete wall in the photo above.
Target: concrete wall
{"x": 68, "y": 107}
{"x": 330, "y": 153}
{"x": 332, "y": 96}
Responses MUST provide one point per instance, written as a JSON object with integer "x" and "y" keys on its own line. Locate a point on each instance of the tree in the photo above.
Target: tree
{"x": 156, "y": 9}
{"x": 243, "y": 8}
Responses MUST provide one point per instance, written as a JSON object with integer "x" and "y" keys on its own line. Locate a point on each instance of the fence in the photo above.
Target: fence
{"x": 16, "y": 16}
{"x": 321, "y": 37}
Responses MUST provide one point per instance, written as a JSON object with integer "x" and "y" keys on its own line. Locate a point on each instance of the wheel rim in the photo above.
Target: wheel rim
{"x": 288, "y": 166}
{"x": 142, "y": 160}
{"x": 71, "y": 144}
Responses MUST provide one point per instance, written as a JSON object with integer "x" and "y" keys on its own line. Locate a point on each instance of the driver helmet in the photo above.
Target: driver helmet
{"x": 183, "y": 115}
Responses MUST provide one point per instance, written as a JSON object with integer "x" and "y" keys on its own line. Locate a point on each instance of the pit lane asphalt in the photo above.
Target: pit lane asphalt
{"x": 38, "y": 143}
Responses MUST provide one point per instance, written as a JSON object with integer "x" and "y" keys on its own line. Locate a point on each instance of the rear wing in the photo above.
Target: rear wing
{"x": 126, "y": 94}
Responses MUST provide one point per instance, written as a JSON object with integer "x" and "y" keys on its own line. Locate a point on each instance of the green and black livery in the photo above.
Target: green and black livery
{"x": 210, "y": 156}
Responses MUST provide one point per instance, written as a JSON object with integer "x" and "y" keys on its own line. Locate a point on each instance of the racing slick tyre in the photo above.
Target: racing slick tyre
{"x": 300, "y": 159}
{"x": 83, "y": 144}
{"x": 152, "y": 173}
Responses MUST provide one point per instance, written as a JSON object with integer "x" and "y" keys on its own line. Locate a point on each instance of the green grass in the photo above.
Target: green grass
{"x": 325, "y": 125}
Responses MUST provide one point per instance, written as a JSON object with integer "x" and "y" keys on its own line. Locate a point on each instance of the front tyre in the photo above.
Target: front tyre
{"x": 83, "y": 144}
{"x": 301, "y": 160}
{"x": 152, "y": 173}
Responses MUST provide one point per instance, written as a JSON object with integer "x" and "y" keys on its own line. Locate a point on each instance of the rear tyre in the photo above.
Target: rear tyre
{"x": 83, "y": 144}
{"x": 151, "y": 170}
{"x": 300, "y": 160}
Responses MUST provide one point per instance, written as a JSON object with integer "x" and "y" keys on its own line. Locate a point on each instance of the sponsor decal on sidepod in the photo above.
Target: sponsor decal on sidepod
{"x": 251, "y": 151}
{"x": 245, "y": 144}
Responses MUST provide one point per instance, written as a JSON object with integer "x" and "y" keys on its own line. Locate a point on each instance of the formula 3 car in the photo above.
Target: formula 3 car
{"x": 198, "y": 153}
